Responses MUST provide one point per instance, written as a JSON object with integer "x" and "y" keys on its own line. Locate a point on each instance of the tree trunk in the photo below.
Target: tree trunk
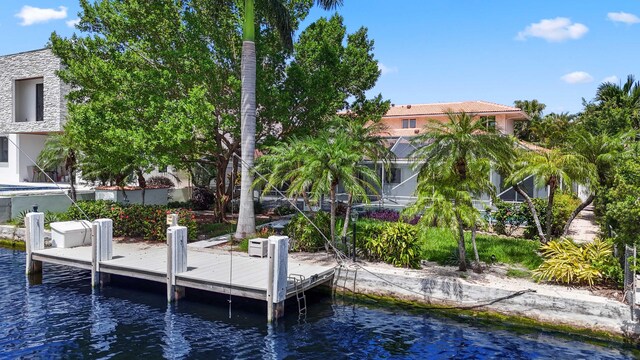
{"x": 246, "y": 217}
{"x": 474, "y": 229}
{"x": 462, "y": 252}
{"x": 549, "y": 217}
{"x": 305, "y": 198}
{"x": 534, "y": 213}
{"x": 142, "y": 183}
{"x": 72, "y": 184}
{"x": 347, "y": 216}
{"x": 575, "y": 213}
{"x": 333, "y": 213}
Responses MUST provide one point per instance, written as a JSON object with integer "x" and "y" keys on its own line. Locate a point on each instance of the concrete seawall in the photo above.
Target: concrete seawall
{"x": 14, "y": 233}
{"x": 594, "y": 313}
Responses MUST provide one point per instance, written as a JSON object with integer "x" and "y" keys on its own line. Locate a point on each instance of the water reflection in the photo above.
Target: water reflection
{"x": 65, "y": 318}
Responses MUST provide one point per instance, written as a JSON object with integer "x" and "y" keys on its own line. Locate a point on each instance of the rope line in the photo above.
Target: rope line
{"x": 341, "y": 258}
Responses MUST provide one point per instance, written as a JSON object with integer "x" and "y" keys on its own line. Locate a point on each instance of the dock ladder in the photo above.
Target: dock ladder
{"x": 298, "y": 281}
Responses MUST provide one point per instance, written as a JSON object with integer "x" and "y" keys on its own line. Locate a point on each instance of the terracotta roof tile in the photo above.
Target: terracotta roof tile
{"x": 476, "y": 107}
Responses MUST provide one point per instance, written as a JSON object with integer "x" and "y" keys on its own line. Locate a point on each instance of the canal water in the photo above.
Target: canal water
{"x": 62, "y": 318}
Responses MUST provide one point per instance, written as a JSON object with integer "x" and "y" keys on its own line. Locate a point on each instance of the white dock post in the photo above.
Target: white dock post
{"x": 101, "y": 249}
{"x": 176, "y": 260}
{"x": 278, "y": 272}
{"x": 172, "y": 220}
{"x": 34, "y": 224}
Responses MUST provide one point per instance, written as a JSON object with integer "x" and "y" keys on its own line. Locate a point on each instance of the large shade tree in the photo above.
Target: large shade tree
{"x": 280, "y": 17}
{"x": 453, "y": 159}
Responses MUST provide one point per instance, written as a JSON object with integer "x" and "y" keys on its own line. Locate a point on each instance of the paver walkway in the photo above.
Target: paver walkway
{"x": 584, "y": 228}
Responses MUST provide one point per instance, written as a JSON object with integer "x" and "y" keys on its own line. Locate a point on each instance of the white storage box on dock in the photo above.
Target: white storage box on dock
{"x": 258, "y": 247}
{"x": 68, "y": 234}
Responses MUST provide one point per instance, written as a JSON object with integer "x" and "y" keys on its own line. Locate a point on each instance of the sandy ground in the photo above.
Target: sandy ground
{"x": 494, "y": 276}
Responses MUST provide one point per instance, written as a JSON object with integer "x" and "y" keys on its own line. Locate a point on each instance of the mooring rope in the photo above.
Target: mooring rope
{"x": 49, "y": 177}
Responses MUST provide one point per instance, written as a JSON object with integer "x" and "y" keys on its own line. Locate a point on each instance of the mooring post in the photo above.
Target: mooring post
{"x": 172, "y": 220}
{"x": 278, "y": 271}
{"x": 176, "y": 260}
{"x": 34, "y": 225}
{"x": 101, "y": 250}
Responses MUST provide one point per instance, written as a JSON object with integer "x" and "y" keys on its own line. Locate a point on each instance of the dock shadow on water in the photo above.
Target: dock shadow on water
{"x": 63, "y": 318}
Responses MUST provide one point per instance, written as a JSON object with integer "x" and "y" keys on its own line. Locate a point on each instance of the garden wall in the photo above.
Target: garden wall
{"x": 12, "y": 206}
{"x": 151, "y": 196}
{"x": 594, "y": 313}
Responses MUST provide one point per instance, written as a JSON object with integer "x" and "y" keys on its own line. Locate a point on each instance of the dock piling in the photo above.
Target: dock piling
{"x": 34, "y": 224}
{"x": 101, "y": 250}
{"x": 277, "y": 280}
{"x": 176, "y": 260}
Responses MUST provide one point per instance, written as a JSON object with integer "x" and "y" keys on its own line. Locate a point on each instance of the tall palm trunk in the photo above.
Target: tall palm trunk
{"x": 462, "y": 252}
{"x": 534, "y": 213}
{"x": 71, "y": 167}
{"x": 347, "y": 216}
{"x": 332, "y": 196}
{"x": 553, "y": 184}
{"x": 246, "y": 216}
{"x": 474, "y": 230}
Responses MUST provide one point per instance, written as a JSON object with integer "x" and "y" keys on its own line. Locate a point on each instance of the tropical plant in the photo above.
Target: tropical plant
{"x": 533, "y": 109}
{"x": 317, "y": 165}
{"x": 615, "y": 109}
{"x": 60, "y": 150}
{"x": 453, "y": 159}
{"x": 305, "y": 236}
{"x": 549, "y": 168}
{"x": 569, "y": 263}
{"x": 394, "y": 243}
{"x": 280, "y": 17}
{"x": 160, "y": 181}
{"x": 508, "y": 217}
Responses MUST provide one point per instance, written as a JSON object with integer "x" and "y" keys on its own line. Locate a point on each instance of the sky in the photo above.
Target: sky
{"x": 557, "y": 52}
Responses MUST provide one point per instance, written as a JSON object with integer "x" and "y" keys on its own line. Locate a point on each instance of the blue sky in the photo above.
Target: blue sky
{"x": 440, "y": 51}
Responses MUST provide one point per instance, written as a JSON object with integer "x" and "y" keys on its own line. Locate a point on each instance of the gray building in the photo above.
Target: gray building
{"x": 32, "y": 105}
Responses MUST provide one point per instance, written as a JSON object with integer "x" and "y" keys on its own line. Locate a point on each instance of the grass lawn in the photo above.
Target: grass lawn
{"x": 439, "y": 245}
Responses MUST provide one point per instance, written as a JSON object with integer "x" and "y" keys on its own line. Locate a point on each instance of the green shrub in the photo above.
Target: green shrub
{"x": 509, "y": 217}
{"x": 305, "y": 237}
{"x": 568, "y": 263}
{"x": 146, "y": 221}
{"x": 394, "y": 243}
{"x": 563, "y": 206}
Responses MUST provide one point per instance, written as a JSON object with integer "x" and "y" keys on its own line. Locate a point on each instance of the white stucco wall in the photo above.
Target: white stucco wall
{"x": 9, "y": 173}
{"x": 25, "y": 99}
{"x": 31, "y": 145}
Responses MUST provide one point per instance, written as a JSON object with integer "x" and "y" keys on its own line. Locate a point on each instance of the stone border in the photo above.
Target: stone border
{"x": 15, "y": 233}
{"x": 607, "y": 315}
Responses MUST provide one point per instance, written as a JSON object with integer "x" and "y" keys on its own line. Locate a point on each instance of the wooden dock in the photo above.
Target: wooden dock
{"x": 272, "y": 279}
{"x": 205, "y": 270}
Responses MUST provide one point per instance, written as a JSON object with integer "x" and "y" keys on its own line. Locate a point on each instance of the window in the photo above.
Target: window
{"x": 39, "y": 102}
{"x": 408, "y": 123}
{"x": 395, "y": 176}
{"x": 4, "y": 149}
{"x": 489, "y": 122}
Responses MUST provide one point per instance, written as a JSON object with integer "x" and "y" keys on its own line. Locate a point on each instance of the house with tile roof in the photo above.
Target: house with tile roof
{"x": 407, "y": 121}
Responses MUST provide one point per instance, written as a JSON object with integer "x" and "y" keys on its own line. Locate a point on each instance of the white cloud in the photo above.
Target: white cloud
{"x": 73, "y": 22}
{"x": 623, "y": 17}
{"x": 554, "y": 30}
{"x": 384, "y": 70}
{"x": 611, "y": 79}
{"x": 32, "y": 15}
{"x": 577, "y": 77}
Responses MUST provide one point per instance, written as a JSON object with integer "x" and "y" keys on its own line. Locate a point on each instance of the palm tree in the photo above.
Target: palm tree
{"x": 59, "y": 151}
{"x": 453, "y": 161}
{"x": 367, "y": 140}
{"x": 625, "y": 95}
{"x": 601, "y": 151}
{"x": 317, "y": 165}
{"x": 280, "y": 17}
{"x": 549, "y": 168}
